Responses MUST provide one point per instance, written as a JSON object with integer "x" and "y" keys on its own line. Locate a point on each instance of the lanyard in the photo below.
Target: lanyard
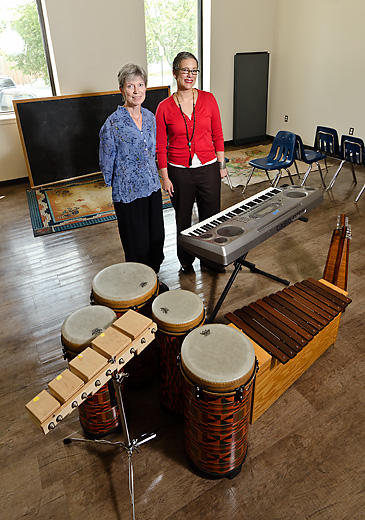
{"x": 186, "y": 126}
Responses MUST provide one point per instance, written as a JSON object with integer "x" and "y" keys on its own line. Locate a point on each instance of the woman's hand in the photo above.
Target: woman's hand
{"x": 223, "y": 172}
{"x": 166, "y": 183}
{"x": 168, "y": 186}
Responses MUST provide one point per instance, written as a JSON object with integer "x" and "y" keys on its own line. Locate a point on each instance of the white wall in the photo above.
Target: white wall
{"x": 237, "y": 26}
{"x": 317, "y": 67}
{"x": 91, "y": 41}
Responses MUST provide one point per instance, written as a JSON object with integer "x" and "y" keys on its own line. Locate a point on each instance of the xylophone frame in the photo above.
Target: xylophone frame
{"x": 128, "y": 444}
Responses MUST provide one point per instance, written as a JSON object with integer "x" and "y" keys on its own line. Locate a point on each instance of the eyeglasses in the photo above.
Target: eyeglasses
{"x": 194, "y": 72}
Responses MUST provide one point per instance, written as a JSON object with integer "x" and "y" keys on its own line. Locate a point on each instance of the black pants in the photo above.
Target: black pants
{"x": 202, "y": 184}
{"x": 141, "y": 230}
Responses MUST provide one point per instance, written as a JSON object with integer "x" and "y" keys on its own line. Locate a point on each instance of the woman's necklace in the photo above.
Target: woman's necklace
{"x": 186, "y": 125}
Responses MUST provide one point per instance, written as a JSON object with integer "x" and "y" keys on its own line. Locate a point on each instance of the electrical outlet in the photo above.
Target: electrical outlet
{"x": 351, "y": 131}
{"x": 286, "y": 119}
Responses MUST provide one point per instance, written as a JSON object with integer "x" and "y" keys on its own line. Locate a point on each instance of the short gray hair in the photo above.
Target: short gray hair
{"x": 129, "y": 72}
{"x": 183, "y": 56}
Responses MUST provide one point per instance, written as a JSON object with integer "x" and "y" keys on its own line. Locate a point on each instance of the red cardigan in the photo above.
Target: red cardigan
{"x": 171, "y": 142}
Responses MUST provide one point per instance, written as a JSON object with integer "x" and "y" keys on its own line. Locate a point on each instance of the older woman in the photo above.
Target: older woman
{"x": 128, "y": 161}
{"x": 190, "y": 149}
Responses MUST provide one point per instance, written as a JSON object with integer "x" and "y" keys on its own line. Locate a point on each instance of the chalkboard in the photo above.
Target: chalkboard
{"x": 60, "y": 135}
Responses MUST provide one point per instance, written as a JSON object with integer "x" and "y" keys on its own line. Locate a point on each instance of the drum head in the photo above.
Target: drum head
{"x": 177, "y": 311}
{"x": 84, "y": 325}
{"x": 122, "y": 286}
{"x": 217, "y": 357}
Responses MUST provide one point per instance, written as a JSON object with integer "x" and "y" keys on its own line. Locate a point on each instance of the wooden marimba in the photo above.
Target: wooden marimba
{"x": 91, "y": 369}
{"x": 289, "y": 330}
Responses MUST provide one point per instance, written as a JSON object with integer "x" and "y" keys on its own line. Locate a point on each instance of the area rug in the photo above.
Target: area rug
{"x": 72, "y": 204}
{"x": 238, "y": 167}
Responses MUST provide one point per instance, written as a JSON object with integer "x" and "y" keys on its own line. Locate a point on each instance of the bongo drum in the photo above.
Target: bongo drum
{"x": 124, "y": 286}
{"x": 218, "y": 366}
{"x": 99, "y": 413}
{"x": 176, "y": 314}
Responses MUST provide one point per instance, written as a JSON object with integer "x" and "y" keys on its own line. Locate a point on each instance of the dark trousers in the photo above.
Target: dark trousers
{"x": 202, "y": 184}
{"x": 141, "y": 230}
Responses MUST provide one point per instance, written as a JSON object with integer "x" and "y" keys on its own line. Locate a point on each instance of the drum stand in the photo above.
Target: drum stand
{"x": 129, "y": 445}
{"x": 241, "y": 261}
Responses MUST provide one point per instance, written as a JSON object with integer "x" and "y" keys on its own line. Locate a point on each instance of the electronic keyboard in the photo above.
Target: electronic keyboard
{"x": 228, "y": 235}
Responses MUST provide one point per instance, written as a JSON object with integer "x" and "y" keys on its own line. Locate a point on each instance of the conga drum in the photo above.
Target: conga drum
{"x": 218, "y": 366}
{"x": 99, "y": 413}
{"x": 176, "y": 314}
{"x": 124, "y": 286}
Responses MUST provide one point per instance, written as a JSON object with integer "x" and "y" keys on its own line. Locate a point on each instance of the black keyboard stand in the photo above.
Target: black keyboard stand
{"x": 238, "y": 264}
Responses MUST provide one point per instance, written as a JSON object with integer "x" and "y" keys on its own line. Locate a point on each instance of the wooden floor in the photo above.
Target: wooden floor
{"x": 306, "y": 453}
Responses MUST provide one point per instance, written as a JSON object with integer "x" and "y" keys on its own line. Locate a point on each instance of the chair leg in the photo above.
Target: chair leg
{"x": 276, "y": 179}
{"x": 321, "y": 174}
{"x": 325, "y": 163}
{"x": 296, "y": 167}
{"x": 248, "y": 180}
{"x": 330, "y": 186}
{"x": 290, "y": 177}
{"x": 360, "y": 193}
{"x": 353, "y": 173}
{"x": 306, "y": 174}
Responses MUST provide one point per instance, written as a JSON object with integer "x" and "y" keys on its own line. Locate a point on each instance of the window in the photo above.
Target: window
{"x": 172, "y": 26}
{"x": 24, "y": 71}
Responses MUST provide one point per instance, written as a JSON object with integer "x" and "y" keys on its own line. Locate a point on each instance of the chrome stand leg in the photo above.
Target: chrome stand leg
{"x": 129, "y": 445}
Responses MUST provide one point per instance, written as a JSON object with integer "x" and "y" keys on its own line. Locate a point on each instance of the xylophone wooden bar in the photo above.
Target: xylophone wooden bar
{"x": 275, "y": 376}
{"x": 92, "y": 368}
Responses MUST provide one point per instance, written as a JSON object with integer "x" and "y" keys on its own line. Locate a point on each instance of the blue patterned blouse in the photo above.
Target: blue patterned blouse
{"x": 127, "y": 155}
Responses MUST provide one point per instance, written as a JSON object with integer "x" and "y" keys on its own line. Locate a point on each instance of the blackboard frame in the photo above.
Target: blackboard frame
{"x": 60, "y": 134}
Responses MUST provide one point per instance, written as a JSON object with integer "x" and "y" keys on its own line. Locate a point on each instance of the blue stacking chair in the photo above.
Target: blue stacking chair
{"x": 308, "y": 157}
{"x": 352, "y": 151}
{"x": 326, "y": 141}
{"x": 280, "y": 157}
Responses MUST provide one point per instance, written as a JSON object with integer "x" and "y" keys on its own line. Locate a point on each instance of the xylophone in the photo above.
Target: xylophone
{"x": 91, "y": 369}
{"x": 289, "y": 330}
{"x": 284, "y": 322}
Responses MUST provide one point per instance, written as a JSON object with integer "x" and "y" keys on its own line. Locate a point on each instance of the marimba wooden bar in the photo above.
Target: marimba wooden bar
{"x": 289, "y": 331}
{"x": 91, "y": 369}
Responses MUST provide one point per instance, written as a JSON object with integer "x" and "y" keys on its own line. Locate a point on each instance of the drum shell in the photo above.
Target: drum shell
{"x": 217, "y": 384}
{"x": 144, "y": 367}
{"x": 99, "y": 413}
{"x": 169, "y": 338}
{"x": 215, "y": 428}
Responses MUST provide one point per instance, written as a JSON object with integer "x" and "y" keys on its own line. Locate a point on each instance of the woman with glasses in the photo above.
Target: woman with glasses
{"x": 127, "y": 157}
{"x": 190, "y": 149}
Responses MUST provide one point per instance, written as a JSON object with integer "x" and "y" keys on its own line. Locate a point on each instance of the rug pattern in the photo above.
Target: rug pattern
{"x": 72, "y": 204}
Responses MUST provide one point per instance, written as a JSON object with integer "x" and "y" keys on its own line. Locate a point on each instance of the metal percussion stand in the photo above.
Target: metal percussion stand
{"x": 241, "y": 261}
{"x": 129, "y": 445}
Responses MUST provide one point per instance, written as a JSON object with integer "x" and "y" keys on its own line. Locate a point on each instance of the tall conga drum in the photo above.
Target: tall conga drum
{"x": 218, "y": 366}
{"x": 176, "y": 313}
{"x": 125, "y": 286}
{"x": 99, "y": 413}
